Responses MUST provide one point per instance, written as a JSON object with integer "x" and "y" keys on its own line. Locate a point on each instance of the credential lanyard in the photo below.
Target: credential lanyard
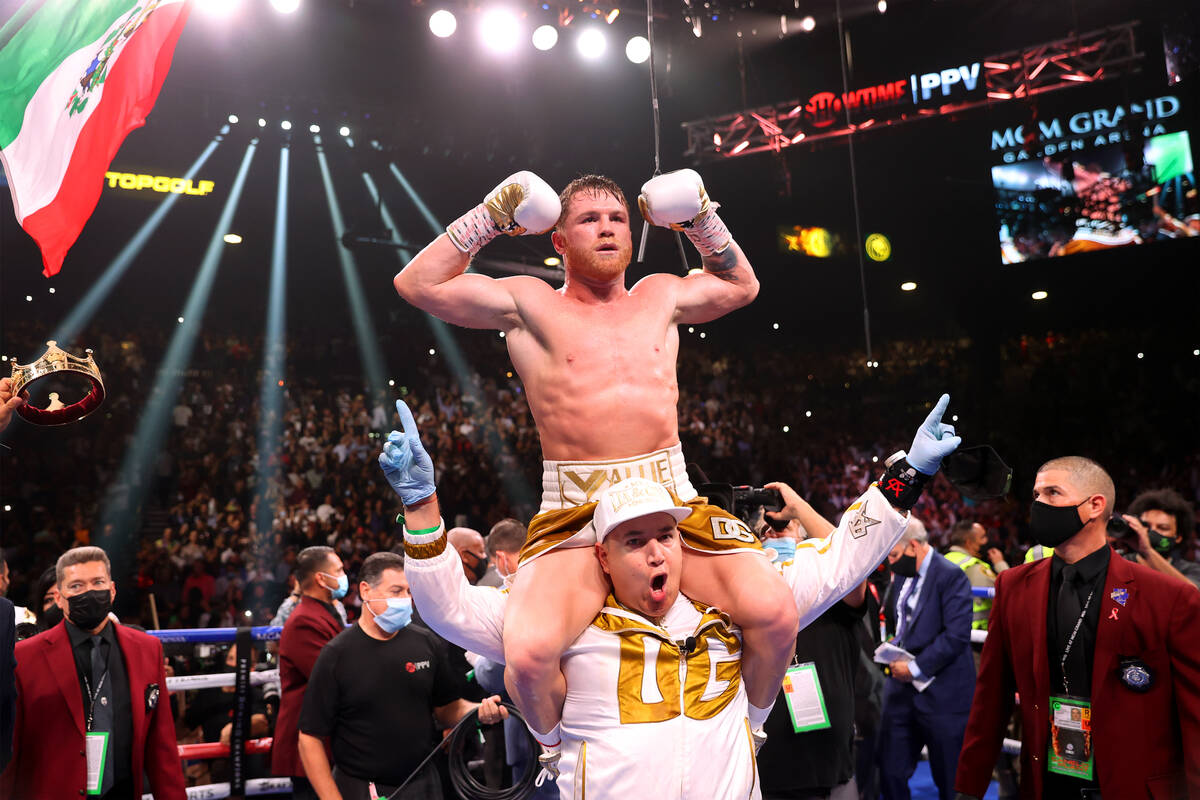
{"x": 91, "y": 715}
{"x": 1071, "y": 641}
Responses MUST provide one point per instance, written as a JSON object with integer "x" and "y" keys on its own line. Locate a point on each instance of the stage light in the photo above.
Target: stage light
{"x": 432, "y": 352}
{"x": 908, "y": 286}
{"x": 775, "y": 326}
{"x": 691, "y": 329}
{"x": 786, "y": 428}
{"x": 285, "y": 6}
{"x": 591, "y": 44}
{"x": 716, "y": 138}
{"x": 552, "y": 261}
{"x": 1196, "y": 352}
{"x": 232, "y": 238}
{"x": 882, "y": 6}
{"x": 8, "y": 508}
{"x": 314, "y": 128}
{"x": 179, "y": 320}
{"x": 954, "y": 418}
{"x": 287, "y": 126}
{"x": 501, "y": 334}
{"x": 51, "y": 290}
{"x": 1141, "y": 355}
{"x": 545, "y": 37}
{"x": 702, "y": 334}
{"x": 262, "y": 123}
{"x": 612, "y": 16}
{"x": 391, "y": 381}
{"x": 1039, "y": 295}
{"x": 500, "y": 30}
{"x": 807, "y": 24}
{"x": 442, "y": 23}
{"x": 808, "y": 414}
{"x": 741, "y": 147}
{"x": 28, "y": 298}
{"x": 799, "y": 137}
{"x": 874, "y": 459}
{"x": 637, "y": 50}
{"x": 344, "y": 131}
{"x": 233, "y": 119}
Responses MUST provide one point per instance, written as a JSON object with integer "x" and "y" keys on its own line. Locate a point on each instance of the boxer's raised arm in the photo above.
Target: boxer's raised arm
{"x": 679, "y": 201}
{"x": 437, "y": 281}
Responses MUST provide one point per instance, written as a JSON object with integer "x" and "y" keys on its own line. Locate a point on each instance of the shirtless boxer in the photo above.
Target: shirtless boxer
{"x": 598, "y": 365}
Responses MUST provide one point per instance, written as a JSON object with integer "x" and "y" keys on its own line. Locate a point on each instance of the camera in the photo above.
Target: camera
{"x": 1125, "y": 535}
{"x": 744, "y": 501}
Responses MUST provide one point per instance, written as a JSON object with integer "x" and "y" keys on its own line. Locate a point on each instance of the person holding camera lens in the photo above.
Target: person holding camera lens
{"x": 1157, "y": 532}
{"x": 1102, "y": 653}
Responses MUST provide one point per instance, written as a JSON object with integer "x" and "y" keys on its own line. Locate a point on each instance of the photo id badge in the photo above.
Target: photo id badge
{"x": 1070, "y": 737}
{"x": 806, "y": 704}
{"x": 97, "y": 750}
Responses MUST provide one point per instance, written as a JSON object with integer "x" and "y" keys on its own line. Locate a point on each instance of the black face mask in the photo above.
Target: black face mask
{"x": 480, "y": 568}
{"x": 50, "y": 617}
{"x": 905, "y": 566}
{"x": 1161, "y": 544}
{"x": 1053, "y": 525}
{"x": 88, "y": 609}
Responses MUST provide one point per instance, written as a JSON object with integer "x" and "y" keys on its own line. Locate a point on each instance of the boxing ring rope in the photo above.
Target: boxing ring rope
{"x": 185, "y": 683}
{"x": 218, "y": 750}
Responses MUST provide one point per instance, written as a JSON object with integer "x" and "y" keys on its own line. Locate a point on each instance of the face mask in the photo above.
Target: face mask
{"x": 1053, "y": 525}
{"x": 1161, "y": 544}
{"x": 50, "y": 617}
{"x": 88, "y": 609}
{"x": 343, "y": 586}
{"x": 785, "y": 549}
{"x": 481, "y": 565}
{"x": 905, "y": 566}
{"x": 397, "y": 615}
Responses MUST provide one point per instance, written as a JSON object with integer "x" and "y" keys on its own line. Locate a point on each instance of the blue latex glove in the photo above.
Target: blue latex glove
{"x": 934, "y": 440}
{"x": 407, "y": 466}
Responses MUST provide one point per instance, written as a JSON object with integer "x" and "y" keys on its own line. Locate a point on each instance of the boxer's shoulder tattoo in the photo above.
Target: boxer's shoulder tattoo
{"x": 723, "y": 265}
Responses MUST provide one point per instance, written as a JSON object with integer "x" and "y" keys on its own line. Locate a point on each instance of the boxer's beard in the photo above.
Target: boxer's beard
{"x": 588, "y": 264}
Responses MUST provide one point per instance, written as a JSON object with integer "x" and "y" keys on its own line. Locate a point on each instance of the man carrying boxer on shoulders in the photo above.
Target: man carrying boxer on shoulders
{"x": 598, "y": 364}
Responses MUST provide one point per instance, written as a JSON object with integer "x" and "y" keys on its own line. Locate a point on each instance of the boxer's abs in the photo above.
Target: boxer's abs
{"x": 613, "y": 420}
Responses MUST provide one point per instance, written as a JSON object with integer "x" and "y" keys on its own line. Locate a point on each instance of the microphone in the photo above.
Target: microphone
{"x": 687, "y": 646}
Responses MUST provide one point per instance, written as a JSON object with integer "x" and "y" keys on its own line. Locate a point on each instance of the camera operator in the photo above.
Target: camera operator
{"x": 1162, "y": 527}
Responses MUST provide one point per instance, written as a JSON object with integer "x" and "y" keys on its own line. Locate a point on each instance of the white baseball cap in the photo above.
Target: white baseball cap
{"x": 630, "y": 499}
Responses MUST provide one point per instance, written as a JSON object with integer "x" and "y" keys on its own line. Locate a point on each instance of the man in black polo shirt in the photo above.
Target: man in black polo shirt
{"x": 375, "y": 693}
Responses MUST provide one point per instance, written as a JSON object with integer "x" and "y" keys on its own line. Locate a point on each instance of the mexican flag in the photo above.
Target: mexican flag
{"x": 76, "y": 76}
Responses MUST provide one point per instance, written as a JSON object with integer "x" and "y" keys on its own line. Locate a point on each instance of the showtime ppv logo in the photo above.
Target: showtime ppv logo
{"x": 824, "y": 107}
{"x": 411, "y": 667}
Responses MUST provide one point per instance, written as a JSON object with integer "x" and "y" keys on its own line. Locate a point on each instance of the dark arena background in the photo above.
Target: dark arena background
{"x": 997, "y": 200}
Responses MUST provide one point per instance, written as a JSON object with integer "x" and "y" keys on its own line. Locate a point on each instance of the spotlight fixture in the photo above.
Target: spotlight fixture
{"x": 882, "y": 6}
{"x": 344, "y": 131}
{"x": 442, "y": 23}
{"x": 545, "y": 37}
{"x": 232, "y": 238}
{"x": 500, "y": 30}
{"x": 637, "y": 49}
{"x": 285, "y": 6}
{"x": 552, "y": 261}
{"x": 591, "y": 44}
{"x": 314, "y": 128}
{"x": 807, "y": 24}
{"x": 287, "y": 126}
{"x": 908, "y": 286}
{"x": 611, "y": 17}
{"x": 262, "y": 123}
{"x": 1040, "y": 295}
{"x": 51, "y": 290}
{"x": 233, "y": 119}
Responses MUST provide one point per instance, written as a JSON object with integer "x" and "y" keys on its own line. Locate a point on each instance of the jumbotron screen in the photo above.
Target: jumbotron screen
{"x": 1096, "y": 199}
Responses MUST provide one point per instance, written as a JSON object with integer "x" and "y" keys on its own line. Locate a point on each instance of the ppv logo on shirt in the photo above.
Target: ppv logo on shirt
{"x": 413, "y": 667}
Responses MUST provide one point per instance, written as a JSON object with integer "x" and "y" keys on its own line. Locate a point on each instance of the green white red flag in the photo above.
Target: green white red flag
{"x": 76, "y": 76}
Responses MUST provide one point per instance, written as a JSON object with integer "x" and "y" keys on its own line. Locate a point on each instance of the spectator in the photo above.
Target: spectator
{"x": 375, "y": 693}
{"x": 64, "y": 734}
{"x": 21, "y": 614}
{"x": 1166, "y": 530}
{"x": 311, "y": 625}
{"x": 504, "y": 543}
{"x": 1115, "y": 641}
{"x": 929, "y": 608}
{"x": 211, "y": 715}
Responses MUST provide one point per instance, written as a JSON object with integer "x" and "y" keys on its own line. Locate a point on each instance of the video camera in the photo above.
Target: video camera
{"x": 744, "y": 501}
{"x": 1126, "y": 536}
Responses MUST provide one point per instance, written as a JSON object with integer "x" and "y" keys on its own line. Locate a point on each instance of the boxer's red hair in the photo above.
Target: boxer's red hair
{"x": 590, "y": 184}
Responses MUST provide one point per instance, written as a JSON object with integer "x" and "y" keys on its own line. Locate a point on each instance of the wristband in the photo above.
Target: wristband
{"x": 709, "y": 233}
{"x": 901, "y": 483}
{"x": 470, "y": 232}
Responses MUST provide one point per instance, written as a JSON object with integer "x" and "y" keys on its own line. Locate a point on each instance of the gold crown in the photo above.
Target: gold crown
{"x": 55, "y": 359}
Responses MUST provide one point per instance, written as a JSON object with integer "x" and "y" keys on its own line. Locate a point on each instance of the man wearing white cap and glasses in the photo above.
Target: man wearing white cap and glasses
{"x": 655, "y": 704}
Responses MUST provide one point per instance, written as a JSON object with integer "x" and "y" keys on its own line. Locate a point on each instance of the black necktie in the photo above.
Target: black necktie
{"x": 1069, "y": 611}
{"x": 102, "y": 709}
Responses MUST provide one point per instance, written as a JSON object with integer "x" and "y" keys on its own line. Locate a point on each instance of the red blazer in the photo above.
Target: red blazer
{"x": 49, "y": 761}
{"x": 308, "y": 628}
{"x": 1146, "y": 745}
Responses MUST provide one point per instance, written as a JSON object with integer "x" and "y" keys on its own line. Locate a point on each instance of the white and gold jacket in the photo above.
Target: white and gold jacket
{"x": 654, "y": 710}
